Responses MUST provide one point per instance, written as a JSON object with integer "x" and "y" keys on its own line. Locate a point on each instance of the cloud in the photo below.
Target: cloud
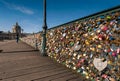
{"x": 18, "y": 8}
{"x": 23, "y": 10}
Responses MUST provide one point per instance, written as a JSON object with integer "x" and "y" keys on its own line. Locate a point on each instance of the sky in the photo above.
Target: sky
{"x": 29, "y": 13}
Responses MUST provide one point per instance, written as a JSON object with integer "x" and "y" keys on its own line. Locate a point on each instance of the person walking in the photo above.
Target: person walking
{"x": 17, "y": 38}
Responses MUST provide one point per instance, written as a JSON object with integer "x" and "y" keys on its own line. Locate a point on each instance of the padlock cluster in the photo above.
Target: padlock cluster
{"x": 33, "y": 40}
{"x": 90, "y": 46}
{"x": 78, "y": 44}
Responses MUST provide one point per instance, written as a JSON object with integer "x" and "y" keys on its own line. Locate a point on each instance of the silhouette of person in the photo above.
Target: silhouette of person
{"x": 17, "y": 38}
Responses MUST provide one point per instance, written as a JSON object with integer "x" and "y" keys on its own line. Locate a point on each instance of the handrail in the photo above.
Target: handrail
{"x": 110, "y": 10}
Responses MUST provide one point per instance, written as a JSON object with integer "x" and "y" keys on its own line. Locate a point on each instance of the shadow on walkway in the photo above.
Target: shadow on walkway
{"x": 1, "y": 51}
{"x": 18, "y": 51}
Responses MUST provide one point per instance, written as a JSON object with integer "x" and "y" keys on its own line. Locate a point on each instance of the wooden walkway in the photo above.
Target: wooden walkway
{"x": 20, "y": 62}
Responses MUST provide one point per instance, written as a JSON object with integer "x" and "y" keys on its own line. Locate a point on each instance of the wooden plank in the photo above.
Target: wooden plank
{"x": 27, "y": 71}
{"x": 33, "y": 76}
{"x": 65, "y": 78}
{"x": 21, "y": 63}
{"x": 77, "y": 79}
{"x": 59, "y": 75}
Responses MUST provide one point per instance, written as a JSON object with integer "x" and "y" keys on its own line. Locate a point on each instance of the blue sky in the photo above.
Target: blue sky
{"x": 29, "y": 13}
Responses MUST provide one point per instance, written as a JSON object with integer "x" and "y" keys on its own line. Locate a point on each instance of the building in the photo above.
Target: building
{"x": 16, "y": 30}
{"x": 5, "y": 35}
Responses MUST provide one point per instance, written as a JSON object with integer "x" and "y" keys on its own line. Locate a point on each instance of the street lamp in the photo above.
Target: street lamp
{"x": 44, "y": 32}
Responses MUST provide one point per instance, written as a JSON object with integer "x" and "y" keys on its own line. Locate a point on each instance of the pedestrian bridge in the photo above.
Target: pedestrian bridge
{"x": 84, "y": 49}
{"x": 21, "y": 62}
{"x": 89, "y": 45}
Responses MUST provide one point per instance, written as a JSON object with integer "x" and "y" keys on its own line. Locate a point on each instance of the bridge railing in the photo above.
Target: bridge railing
{"x": 89, "y": 45}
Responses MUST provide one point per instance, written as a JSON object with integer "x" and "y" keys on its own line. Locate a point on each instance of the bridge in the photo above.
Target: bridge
{"x": 89, "y": 45}
{"x": 21, "y": 62}
{"x": 84, "y": 49}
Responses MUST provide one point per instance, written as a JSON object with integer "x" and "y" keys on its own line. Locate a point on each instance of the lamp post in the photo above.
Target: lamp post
{"x": 44, "y": 32}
